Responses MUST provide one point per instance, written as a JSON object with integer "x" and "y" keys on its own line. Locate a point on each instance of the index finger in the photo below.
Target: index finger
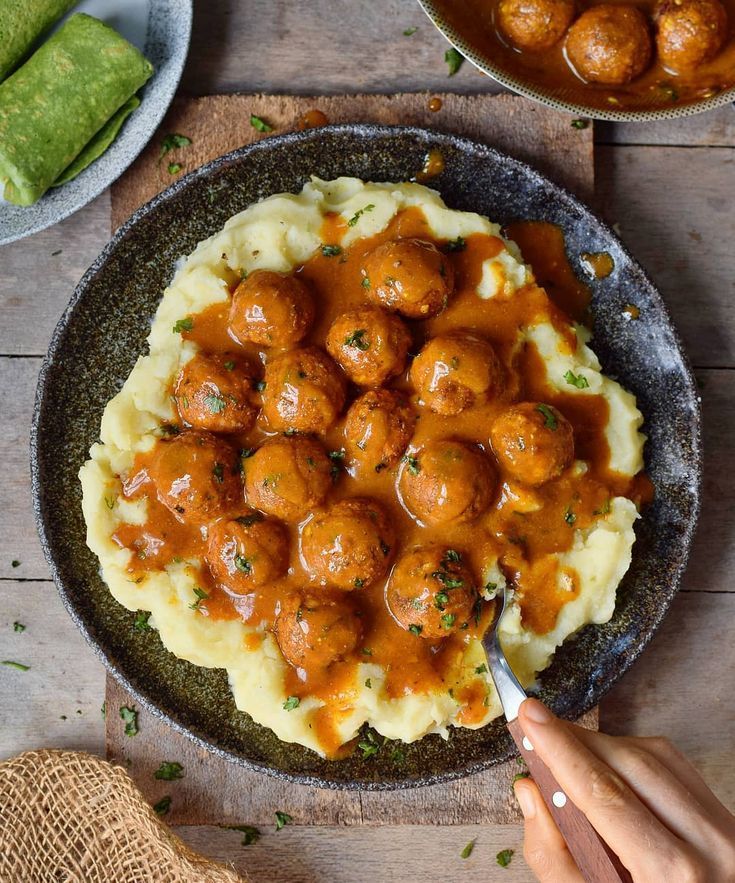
{"x": 627, "y": 826}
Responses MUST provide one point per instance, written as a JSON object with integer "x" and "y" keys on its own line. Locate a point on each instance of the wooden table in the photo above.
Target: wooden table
{"x": 669, "y": 189}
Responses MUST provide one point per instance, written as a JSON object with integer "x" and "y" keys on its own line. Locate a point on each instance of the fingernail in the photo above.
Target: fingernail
{"x": 526, "y": 801}
{"x": 537, "y": 711}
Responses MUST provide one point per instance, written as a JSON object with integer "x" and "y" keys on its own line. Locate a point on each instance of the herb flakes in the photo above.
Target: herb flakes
{"x": 250, "y": 834}
{"x": 259, "y": 124}
{"x": 169, "y": 771}
{"x": 186, "y": 324}
{"x": 130, "y": 717}
{"x": 467, "y": 851}
{"x": 18, "y": 627}
{"x": 359, "y": 213}
{"x": 163, "y": 806}
{"x": 291, "y": 703}
{"x": 576, "y": 380}
{"x": 282, "y": 819}
{"x": 550, "y": 421}
{"x": 504, "y": 857}
{"x": 454, "y": 60}
{"x": 174, "y": 141}
{"x": 17, "y": 665}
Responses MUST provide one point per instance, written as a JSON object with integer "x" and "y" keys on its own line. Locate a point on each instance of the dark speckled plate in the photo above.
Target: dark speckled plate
{"x": 103, "y": 331}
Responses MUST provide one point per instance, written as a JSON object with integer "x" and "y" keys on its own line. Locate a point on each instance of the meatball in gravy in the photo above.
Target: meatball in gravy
{"x": 247, "y": 552}
{"x": 370, "y": 344}
{"x": 689, "y": 32}
{"x": 534, "y": 25}
{"x": 610, "y": 44}
{"x": 313, "y": 631}
{"x": 215, "y": 393}
{"x": 271, "y": 309}
{"x": 378, "y": 428}
{"x": 533, "y": 442}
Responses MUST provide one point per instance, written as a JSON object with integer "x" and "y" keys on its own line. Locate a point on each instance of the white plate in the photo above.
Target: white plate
{"x": 161, "y": 30}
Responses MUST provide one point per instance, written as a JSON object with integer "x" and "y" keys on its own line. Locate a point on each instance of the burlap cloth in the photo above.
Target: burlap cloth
{"x": 68, "y": 817}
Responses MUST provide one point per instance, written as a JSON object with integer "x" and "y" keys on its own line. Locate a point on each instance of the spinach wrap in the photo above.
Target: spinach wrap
{"x": 57, "y": 102}
{"x": 21, "y": 23}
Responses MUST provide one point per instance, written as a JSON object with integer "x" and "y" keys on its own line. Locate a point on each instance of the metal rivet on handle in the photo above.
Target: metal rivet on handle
{"x": 527, "y": 744}
{"x": 559, "y": 799}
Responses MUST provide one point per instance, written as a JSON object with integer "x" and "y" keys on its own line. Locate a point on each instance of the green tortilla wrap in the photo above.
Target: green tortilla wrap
{"x": 21, "y": 23}
{"x": 53, "y": 106}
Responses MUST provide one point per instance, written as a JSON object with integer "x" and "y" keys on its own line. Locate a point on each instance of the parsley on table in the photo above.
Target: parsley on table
{"x": 576, "y": 380}
{"x": 250, "y": 834}
{"x": 409, "y": 32}
{"x": 19, "y": 665}
{"x": 331, "y": 251}
{"x": 359, "y": 213}
{"x": 356, "y": 338}
{"x": 260, "y": 124}
{"x": 140, "y": 623}
{"x": 18, "y": 627}
{"x": 171, "y": 142}
{"x": 291, "y": 703}
{"x": 174, "y": 168}
{"x": 169, "y": 770}
{"x": 467, "y": 851}
{"x": 15, "y": 563}
{"x": 454, "y": 60}
{"x": 163, "y": 806}
{"x": 504, "y": 857}
{"x": 130, "y": 717}
{"x": 550, "y": 421}
{"x": 580, "y": 124}
{"x": 183, "y": 325}
{"x": 282, "y": 819}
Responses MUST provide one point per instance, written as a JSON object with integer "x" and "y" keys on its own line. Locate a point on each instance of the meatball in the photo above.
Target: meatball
{"x": 304, "y": 391}
{"x": 534, "y": 443}
{"x": 214, "y": 393}
{"x": 609, "y": 44}
{"x": 410, "y": 276}
{"x": 370, "y": 344}
{"x": 287, "y": 477}
{"x": 196, "y": 476}
{"x": 378, "y": 427}
{"x": 456, "y": 371}
{"x": 431, "y": 592}
{"x": 689, "y": 32}
{"x": 271, "y": 309}
{"x": 447, "y": 481}
{"x": 315, "y": 631}
{"x": 349, "y": 546}
{"x": 535, "y": 25}
{"x": 247, "y": 552}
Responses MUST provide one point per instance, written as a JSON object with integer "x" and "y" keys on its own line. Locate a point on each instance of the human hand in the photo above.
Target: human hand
{"x": 642, "y": 796}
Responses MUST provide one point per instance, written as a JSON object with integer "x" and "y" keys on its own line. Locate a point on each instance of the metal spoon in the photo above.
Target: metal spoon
{"x": 595, "y": 860}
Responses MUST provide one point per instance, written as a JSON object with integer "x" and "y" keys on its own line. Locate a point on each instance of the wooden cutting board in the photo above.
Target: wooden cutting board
{"x": 214, "y": 791}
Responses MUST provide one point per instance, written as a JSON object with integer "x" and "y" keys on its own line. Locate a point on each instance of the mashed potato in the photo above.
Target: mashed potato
{"x": 281, "y": 233}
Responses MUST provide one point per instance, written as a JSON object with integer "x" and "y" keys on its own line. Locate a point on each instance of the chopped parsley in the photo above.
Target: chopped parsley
{"x": 337, "y": 455}
{"x": 183, "y": 325}
{"x": 365, "y": 282}
{"x": 366, "y": 651}
{"x": 218, "y": 471}
{"x": 409, "y": 32}
{"x": 201, "y": 595}
{"x": 174, "y": 168}
{"x": 291, "y": 703}
{"x": 358, "y": 583}
{"x": 580, "y": 124}
{"x": 229, "y": 365}
{"x": 15, "y": 563}
{"x": 467, "y": 851}
{"x": 18, "y": 665}
{"x": 173, "y": 141}
{"x": 504, "y": 857}
{"x": 481, "y": 669}
{"x": 453, "y": 556}
{"x": 357, "y": 339}
{"x": 260, "y": 386}
{"x": 215, "y": 403}
{"x": 415, "y": 629}
{"x": 569, "y": 516}
{"x": 331, "y": 251}
{"x": 448, "y": 620}
{"x": 282, "y": 819}
{"x": 458, "y": 244}
{"x": 369, "y": 744}
{"x": 18, "y": 627}
{"x": 140, "y": 623}
{"x": 245, "y": 453}
{"x": 163, "y": 806}
{"x": 441, "y": 599}
{"x": 359, "y": 213}
{"x": 250, "y": 834}
{"x": 368, "y": 683}
{"x": 576, "y": 380}
{"x": 169, "y": 770}
{"x": 454, "y": 60}
{"x": 447, "y": 580}
{"x": 519, "y": 776}
{"x": 250, "y": 520}
{"x": 550, "y": 421}
{"x": 130, "y": 717}
{"x": 242, "y": 564}
{"x": 260, "y": 124}
{"x": 412, "y": 463}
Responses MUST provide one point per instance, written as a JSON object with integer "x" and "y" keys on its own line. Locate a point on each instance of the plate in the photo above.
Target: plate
{"x": 485, "y": 63}
{"x": 104, "y": 329}
{"x": 161, "y": 30}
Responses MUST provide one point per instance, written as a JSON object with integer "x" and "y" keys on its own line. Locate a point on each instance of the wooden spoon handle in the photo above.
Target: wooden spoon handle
{"x": 594, "y": 858}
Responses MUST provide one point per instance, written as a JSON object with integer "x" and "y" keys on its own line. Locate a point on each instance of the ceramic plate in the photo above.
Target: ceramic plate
{"x": 161, "y": 30}
{"x": 104, "y": 330}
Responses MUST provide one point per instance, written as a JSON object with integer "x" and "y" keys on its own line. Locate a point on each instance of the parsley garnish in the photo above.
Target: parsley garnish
{"x": 576, "y": 380}
{"x": 415, "y": 629}
{"x": 550, "y": 421}
{"x": 242, "y": 564}
{"x": 358, "y": 583}
{"x": 183, "y": 325}
{"x": 15, "y": 563}
{"x": 170, "y": 142}
{"x": 201, "y": 595}
{"x": 467, "y": 851}
{"x": 448, "y": 620}
{"x": 229, "y": 365}
{"x": 18, "y": 665}
{"x": 291, "y": 703}
{"x": 163, "y": 806}
{"x": 448, "y": 581}
{"x": 260, "y": 124}
{"x": 245, "y": 453}
{"x": 453, "y": 556}
{"x": 503, "y": 857}
{"x": 409, "y": 32}
{"x": 130, "y": 716}
{"x": 368, "y": 683}
{"x": 454, "y": 60}
{"x": 169, "y": 770}
{"x": 174, "y": 168}
{"x": 359, "y": 213}
{"x": 580, "y": 124}
{"x": 369, "y": 744}
{"x": 140, "y": 623}
{"x": 569, "y": 516}
{"x": 250, "y": 520}
{"x": 519, "y": 776}
{"x": 481, "y": 669}
{"x": 250, "y": 834}
{"x": 215, "y": 403}
{"x": 367, "y": 651}
{"x": 356, "y": 339}
{"x": 260, "y": 386}
{"x": 337, "y": 455}
{"x": 413, "y": 464}
{"x": 331, "y": 251}
{"x": 18, "y": 627}
{"x": 458, "y": 244}
{"x": 441, "y": 599}
{"x": 282, "y": 819}
{"x": 365, "y": 282}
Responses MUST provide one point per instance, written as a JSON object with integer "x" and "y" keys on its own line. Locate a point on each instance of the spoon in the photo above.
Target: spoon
{"x": 595, "y": 860}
